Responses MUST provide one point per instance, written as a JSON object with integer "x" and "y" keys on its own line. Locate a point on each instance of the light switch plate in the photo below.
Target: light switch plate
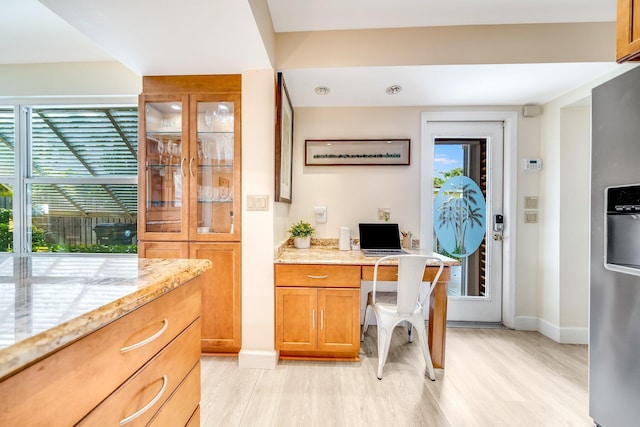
{"x": 530, "y": 217}
{"x": 257, "y": 202}
{"x": 530, "y": 202}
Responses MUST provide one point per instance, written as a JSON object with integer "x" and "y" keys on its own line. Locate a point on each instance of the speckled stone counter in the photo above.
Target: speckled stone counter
{"x": 331, "y": 255}
{"x": 47, "y": 302}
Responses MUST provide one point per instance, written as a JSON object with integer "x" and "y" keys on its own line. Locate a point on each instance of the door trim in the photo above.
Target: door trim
{"x": 510, "y": 119}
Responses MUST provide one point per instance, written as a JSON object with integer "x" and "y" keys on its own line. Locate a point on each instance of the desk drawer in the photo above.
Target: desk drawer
{"x": 318, "y": 275}
{"x": 155, "y": 381}
{"x": 72, "y": 381}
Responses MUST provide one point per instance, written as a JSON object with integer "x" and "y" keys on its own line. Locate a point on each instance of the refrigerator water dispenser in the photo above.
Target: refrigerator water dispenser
{"x": 622, "y": 229}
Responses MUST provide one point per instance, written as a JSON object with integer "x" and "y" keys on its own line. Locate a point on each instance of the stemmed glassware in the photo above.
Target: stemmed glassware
{"x": 160, "y": 149}
{"x": 222, "y": 113}
{"x": 209, "y": 118}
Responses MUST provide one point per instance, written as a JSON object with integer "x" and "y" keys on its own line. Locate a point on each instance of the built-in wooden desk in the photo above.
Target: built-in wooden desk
{"x": 317, "y": 257}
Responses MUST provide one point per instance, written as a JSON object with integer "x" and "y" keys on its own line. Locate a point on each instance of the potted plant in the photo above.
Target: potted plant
{"x": 301, "y": 233}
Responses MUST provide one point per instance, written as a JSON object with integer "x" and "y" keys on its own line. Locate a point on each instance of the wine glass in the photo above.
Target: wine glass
{"x": 209, "y": 119}
{"x": 160, "y": 149}
{"x": 222, "y": 113}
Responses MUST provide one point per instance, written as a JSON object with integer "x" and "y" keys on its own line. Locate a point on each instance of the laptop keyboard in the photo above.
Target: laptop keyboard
{"x": 382, "y": 252}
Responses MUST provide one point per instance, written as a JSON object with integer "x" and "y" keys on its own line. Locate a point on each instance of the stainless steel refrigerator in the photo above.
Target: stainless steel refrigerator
{"x": 614, "y": 315}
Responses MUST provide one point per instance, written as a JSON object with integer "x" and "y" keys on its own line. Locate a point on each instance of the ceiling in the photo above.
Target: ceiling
{"x": 192, "y": 37}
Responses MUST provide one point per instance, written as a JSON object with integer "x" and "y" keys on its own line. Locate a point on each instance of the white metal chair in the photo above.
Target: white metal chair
{"x": 407, "y": 306}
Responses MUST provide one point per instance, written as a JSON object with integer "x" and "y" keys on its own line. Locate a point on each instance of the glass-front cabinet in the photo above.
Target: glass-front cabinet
{"x": 164, "y": 150}
{"x": 190, "y": 157}
{"x": 189, "y": 176}
{"x": 213, "y": 166}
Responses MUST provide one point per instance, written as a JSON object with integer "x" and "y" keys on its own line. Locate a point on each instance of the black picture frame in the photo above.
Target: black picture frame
{"x": 357, "y": 152}
{"x": 284, "y": 143}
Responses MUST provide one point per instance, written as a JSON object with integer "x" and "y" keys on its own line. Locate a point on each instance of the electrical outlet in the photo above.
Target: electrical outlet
{"x": 384, "y": 214}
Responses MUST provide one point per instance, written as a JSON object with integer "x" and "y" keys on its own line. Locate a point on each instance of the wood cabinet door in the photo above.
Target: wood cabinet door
{"x": 163, "y": 181}
{"x": 163, "y": 250}
{"x": 221, "y": 308}
{"x": 628, "y": 30}
{"x": 339, "y": 320}
{"x": 296, "y": 318}
{"x": 215, "y": 167}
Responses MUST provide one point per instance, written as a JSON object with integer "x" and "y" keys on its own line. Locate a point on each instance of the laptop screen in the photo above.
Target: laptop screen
{"x": 379, "y": 236}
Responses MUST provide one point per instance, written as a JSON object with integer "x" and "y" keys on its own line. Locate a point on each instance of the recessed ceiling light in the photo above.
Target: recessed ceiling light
{"x": 322, "y": 90}
{"x": 393, "y": 90}
{"x": 176, "y": 107}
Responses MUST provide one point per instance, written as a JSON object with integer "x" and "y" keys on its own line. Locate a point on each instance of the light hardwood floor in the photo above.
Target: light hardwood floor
{"x": 493, "y": 377}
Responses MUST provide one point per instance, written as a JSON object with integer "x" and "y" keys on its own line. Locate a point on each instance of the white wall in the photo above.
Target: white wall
{"x": 95, "y": 79}
{"x": 527, "y": 234}
{"x": 575, "y": 152}
{"x": 258, "y": 296}
{"x": 352, "y": 194}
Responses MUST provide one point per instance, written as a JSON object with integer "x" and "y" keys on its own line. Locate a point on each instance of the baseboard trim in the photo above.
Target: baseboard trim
{"x": 257, "y": 359}
{"x": 563, "y": 335}
{"x": 549, "y": 330}
{"x": 558, "y": 334}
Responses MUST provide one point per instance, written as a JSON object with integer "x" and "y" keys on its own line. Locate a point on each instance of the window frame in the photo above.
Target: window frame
{"x": 23, "y": 179}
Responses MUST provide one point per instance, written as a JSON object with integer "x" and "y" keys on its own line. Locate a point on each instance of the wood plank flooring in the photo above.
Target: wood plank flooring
{"x": 493, "y": 377}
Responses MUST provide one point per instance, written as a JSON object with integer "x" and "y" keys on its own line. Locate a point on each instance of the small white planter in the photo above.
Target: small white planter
{"x": 302, "y": 242}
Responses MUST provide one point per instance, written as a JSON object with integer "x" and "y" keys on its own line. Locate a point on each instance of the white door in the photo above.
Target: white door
{"x": 467, "y": 217}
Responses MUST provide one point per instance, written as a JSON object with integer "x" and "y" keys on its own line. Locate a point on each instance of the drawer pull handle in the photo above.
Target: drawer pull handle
{"x": 146, "y": 341}
{"x": 146, "y": 407}
{"x": 317, "y": 277}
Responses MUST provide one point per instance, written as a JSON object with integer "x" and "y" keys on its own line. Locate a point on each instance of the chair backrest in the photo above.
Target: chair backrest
{"x": 410, "y": 272}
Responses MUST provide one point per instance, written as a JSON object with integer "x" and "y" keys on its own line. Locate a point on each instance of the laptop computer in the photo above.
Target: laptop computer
{"x": 380, "y": 239}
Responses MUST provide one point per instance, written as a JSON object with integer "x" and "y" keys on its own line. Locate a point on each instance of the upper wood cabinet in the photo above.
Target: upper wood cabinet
{"x": 628, "y": 31}
{"x": 189, "y": 165}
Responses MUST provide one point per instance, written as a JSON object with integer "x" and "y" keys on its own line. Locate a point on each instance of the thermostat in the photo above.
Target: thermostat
{"x": 531, "y": 165}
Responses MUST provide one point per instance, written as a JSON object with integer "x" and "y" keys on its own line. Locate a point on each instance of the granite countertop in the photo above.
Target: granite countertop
{"x": 323, "y": 253}
{"x": 47, "y": 302}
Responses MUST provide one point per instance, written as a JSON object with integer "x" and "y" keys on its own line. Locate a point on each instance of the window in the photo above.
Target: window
{"x": 71, "y": 185}
{"x": 7, "y": 176}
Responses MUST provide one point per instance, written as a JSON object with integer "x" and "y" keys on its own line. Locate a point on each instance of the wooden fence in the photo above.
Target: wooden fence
{"x": 60, "y": 230}
{"x": 81, "y": 231}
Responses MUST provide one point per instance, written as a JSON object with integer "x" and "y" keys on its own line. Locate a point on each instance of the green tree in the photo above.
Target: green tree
{"x": 439, "y": 180}
{"x": 6, "y": 233}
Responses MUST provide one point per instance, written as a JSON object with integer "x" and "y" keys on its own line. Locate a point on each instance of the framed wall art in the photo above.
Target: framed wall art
{"x": 284, "y": 142}
{"x": 356, "y": 152}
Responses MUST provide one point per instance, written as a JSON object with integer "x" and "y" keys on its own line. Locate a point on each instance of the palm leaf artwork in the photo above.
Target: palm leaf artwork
{"x": 460, "y": 212}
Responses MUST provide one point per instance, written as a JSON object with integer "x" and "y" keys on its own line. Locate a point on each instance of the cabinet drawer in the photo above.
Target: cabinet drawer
{"x": 194, "y": 421}
{"x": 72, "y": 381}
{"x": 155, "y": 382}
{"x": 180, "y": 407}
{"x": 318, "y": 275}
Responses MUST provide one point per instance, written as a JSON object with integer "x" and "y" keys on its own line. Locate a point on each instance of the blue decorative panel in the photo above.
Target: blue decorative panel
{"x": 460, "y": 216}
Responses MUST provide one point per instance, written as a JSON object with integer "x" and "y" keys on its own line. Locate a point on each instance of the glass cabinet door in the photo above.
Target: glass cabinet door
{"x": 164, "y": 162}
{"x": 214, "y": 157}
